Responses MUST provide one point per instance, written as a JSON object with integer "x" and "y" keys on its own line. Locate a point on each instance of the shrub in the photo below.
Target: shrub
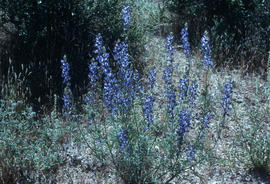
{"x": 255, "y": 139}
{"x": 29, "y": 148}
{"x": 124, "y": 132}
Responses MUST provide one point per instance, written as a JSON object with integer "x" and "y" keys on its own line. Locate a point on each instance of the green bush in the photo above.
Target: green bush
{"x": 239, "y": 30}
{"x": 29, "y": 149}
{"x": 255, "y": 139}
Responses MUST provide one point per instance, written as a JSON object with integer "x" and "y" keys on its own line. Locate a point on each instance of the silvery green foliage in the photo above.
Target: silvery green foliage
{"x": 29, "y": 149}
{"x": 255, "y": 139}
{"x": 267, "y": 87}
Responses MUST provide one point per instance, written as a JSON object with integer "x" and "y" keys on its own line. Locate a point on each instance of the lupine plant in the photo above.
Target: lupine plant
{"x": 126, "y": 17}
{"x": 205, "y": 48}
{"x": 149, "y": 99}
{"x": 167, "y": 78}
{"x": 67, "y": 106}
{"x": 186, "y": 46}
{"x": 126, "y": 75}
{"x": 110, "y": 88}
{"x": 184, "y": 125}
{"x": 226, "y": 104}
{"x": 142, "y": 148}
{"x": 125, "y": 125}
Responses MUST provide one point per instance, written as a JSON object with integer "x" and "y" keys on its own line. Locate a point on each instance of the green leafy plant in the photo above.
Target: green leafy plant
{"x": 30, "y": 147}
{"x": 123, "y": 132}
{"x": 255, "y": 139}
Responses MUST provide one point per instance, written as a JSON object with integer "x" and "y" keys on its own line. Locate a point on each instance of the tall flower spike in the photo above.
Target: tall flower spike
{"x": 148, "y": 109}
{"x": 93, "y": 74}
{"x": 171, "y": 103}
{"x": 149, "y": 99}
{"x": 185, "y": 42}
{"x": 183, "y": 88}
{"x": 123, "y": 140}
{"x": 167, "y": 72}
{"x": 170, "y": 48}
{"x": 205, "y": 48}
{"x": 110, "y": 89}
{"x": 65, "y": 72}
{"x": 167, "y": 77}
{"x": 126, "y": 17}
{"x": 193, "y": 93}
{"x": 66, "y": 80}
{"x": 191, "y": 154}
{"x": 67, "y": 101}
{"x": 184, "y": 124}
{"x": 152, "y": 79}
{"x": 127, "y": 76}
{"x": 98, "y": 45}
{"x": 226, "y": 101}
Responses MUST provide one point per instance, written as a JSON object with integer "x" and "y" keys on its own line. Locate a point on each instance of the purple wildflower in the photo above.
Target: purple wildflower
{"x": 192, "y": 93}
{"x": 171, "y": 103}
{"x": 148, "y": 109}
{"x": 191, "y": 154}
{"x": 126, "y": 16}
{"x": 185, "y": 42}
{"x": 152, "y": 79}
{"x": 170, "y": 48}
{"x": 205, "y": 48}
{"x": 188, "y": 91}
{"x": 226, "y": 101}
{"x": 93, "y": 74}
{"x": 66, "y": 80}
{"x": 110, "y": 89}
{"x": 65, "y": 72}
{"x": 184, "y": 124}
{"x": 167, "y": 77}
{"x": 123, "y": 140}
{"x": 67, "y": 101}
{"x": 149, "y": 99}
{"x": 206, "y": 120}
{"x": 127, "y": 76}
{"x": 183, "y": 88}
